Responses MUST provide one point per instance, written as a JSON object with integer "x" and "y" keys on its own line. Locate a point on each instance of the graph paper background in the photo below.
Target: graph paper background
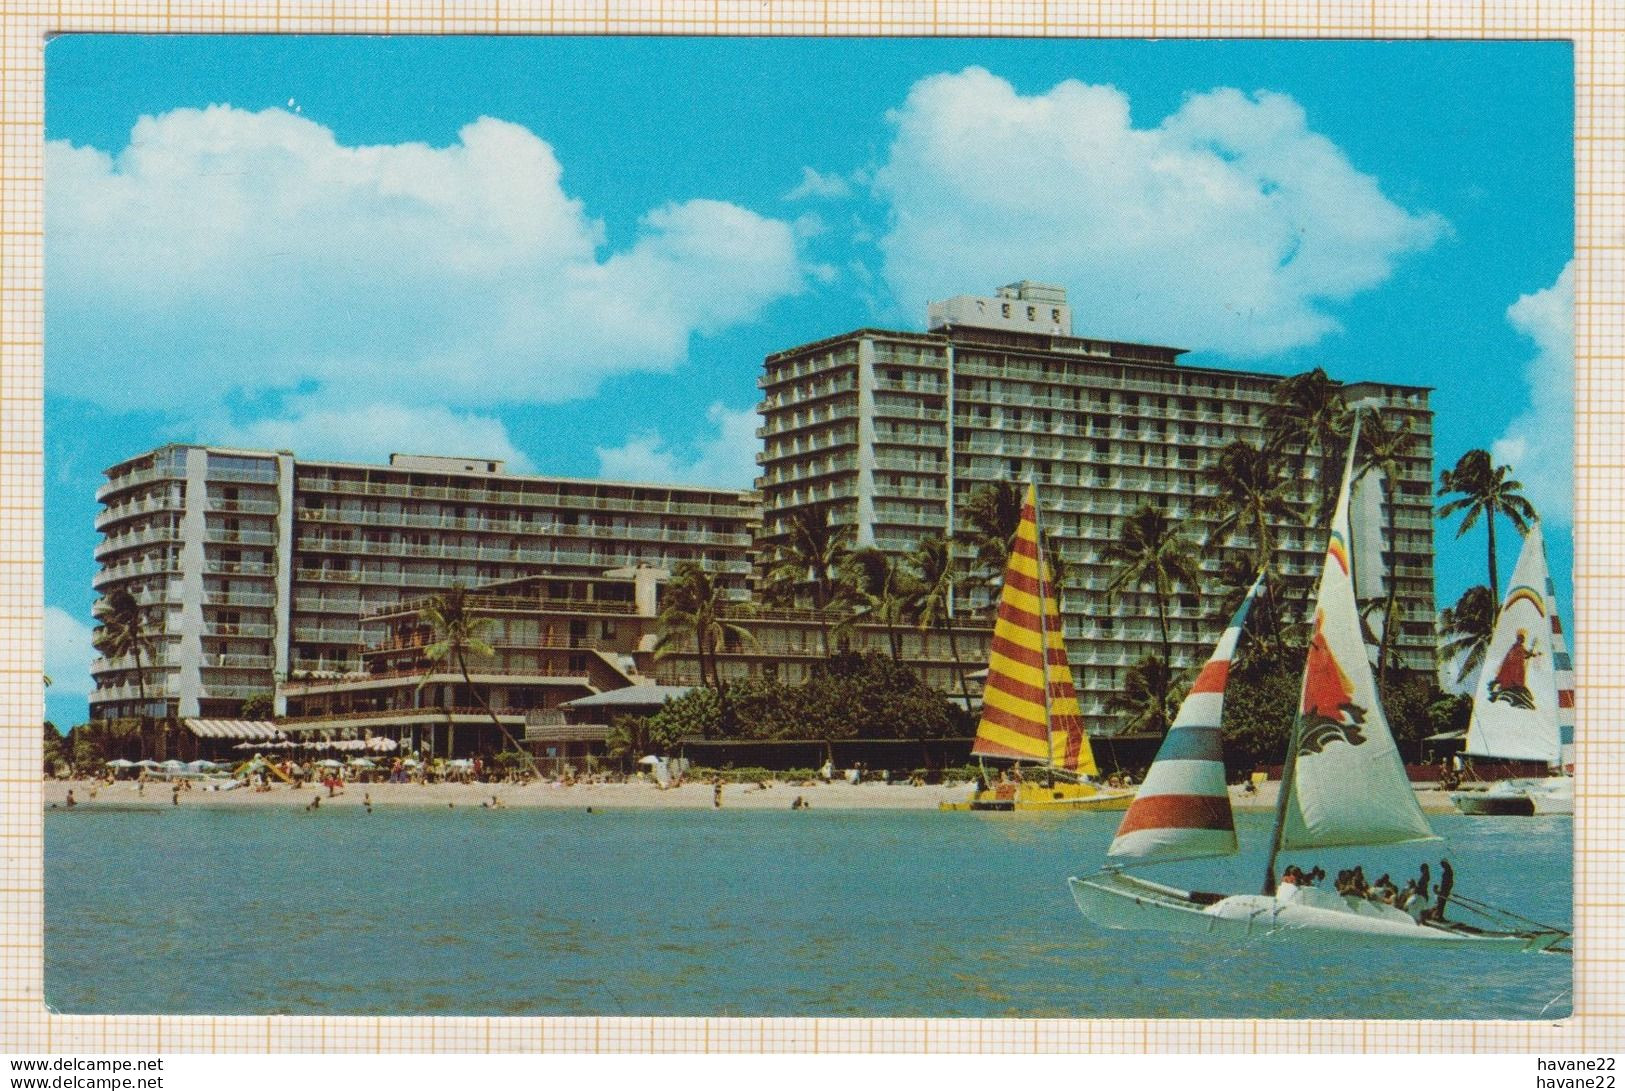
{"x": 1597, "y": 28}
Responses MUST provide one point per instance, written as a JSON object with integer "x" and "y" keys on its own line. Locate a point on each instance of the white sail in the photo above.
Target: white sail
{"x": 1370, "y": 550}
{"x": 1515, "y": 706}
{"x": 1348, "y": 784}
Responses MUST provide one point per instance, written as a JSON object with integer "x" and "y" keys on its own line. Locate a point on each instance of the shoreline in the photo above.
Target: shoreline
{"x": 644, "y": 795}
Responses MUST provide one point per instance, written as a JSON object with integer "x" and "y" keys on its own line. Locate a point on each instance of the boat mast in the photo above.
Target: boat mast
{"x": 1290, "y": 765}
{"x": 1043, "y": 622}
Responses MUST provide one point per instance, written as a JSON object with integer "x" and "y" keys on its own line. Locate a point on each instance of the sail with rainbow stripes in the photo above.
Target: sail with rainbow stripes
{"x": 1183, "y": 808}
{"x": 1020, "y": 719}
{"x": 1525, "y": 692}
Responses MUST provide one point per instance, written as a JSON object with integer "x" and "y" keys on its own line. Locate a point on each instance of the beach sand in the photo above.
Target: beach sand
{"x": 640, "y": 794}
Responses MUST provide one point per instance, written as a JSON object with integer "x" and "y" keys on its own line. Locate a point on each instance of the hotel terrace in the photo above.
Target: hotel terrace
{"x": 555, "y": 641}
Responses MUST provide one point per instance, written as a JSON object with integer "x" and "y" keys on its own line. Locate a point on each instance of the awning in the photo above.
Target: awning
{"x": 644, "y": 696}
{"x": 233, "y": 729}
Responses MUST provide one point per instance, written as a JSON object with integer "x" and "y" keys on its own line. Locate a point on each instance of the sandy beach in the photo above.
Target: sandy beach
{"x": 777, "y": 795}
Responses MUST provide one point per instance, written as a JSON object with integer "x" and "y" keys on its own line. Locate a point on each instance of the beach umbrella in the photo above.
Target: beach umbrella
{"x": 381, "y": 745}
{"x": 202, "y": 765}
{"x": 648, "y": 759}
{"x": 120, "y": 763}
{"x": 363, "y": 763}
{"x": 329, "y": 763}
{"x": 148, "y": 763}
{"x": 174, "y": 764}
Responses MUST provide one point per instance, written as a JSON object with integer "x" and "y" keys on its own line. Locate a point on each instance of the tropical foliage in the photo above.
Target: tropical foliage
{"x": 811, "y": 564}
{"x": 1465, "y": 630}
{"x": 1476, "y": 487}
{"x": 121, "y": 632}
{"x": 1150, "y": 697}
{"x": 849, "y": 696}
{"x": 931, "y": 602}
{"x": 694, "y": 611}
{"x": 1385, "y": 443}
{"x": 457, "y": 633}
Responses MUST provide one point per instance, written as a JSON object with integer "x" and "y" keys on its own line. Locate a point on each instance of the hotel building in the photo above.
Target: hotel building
{"x": 555, "y": 640}
{"x": 892, "y": 431}
{"x": 254, "y": 566}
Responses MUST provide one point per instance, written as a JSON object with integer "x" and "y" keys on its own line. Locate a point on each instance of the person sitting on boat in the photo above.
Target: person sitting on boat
{"x": 1385, "y": 891}
{"x": 1357, "y": 884}
{"x": 1312, "y": 876}
{"x": 1292, "y": 881}
{"x": 1344, "y": 884}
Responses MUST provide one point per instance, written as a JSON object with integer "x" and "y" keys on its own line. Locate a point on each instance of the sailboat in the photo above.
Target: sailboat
{"x": 1029, "y": 706}
{"x": 1343, "y": 785}
{"x": 1523, "y": 704}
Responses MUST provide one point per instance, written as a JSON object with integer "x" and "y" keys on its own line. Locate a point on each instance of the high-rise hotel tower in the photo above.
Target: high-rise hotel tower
{"x": 893, "y": 431}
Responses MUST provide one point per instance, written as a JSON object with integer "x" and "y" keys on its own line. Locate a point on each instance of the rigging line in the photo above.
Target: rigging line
{"x": 1489, "y": 910}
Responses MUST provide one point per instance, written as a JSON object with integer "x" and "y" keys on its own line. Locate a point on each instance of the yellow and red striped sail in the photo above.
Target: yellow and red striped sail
{"x": 1014, "y": 723}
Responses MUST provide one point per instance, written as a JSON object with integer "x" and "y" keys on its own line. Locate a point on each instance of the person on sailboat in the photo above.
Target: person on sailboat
{"x": 1447, "y": 882}
{"x": 1510, "y": 683}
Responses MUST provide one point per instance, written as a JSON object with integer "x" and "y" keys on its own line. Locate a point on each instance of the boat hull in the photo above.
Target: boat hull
{"x": 1114, "y": 900}
{"x": 1063, "y": 798}
{"x": 1523, "y": 796}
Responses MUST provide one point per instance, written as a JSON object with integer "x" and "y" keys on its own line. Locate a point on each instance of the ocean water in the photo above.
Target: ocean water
{"x": 815, "y": 913}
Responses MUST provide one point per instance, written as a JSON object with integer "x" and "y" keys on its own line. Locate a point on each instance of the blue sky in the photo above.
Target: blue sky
{"x": 574, "y": 253}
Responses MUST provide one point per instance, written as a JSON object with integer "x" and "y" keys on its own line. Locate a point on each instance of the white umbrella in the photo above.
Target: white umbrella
{"x": 148, "y": 763}
{"x": 649, "y": 759}
{"x": 120, "y": 763}
{"x": 363, "y": 763}
{"x": 202, "y": 765}
{"x": 382, "y": 745}
{"x": 174, "y": 764}
{"x": 329, "y": 763}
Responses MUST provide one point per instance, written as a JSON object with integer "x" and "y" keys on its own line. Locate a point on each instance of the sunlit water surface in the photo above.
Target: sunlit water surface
{"x": 818, "y": 913}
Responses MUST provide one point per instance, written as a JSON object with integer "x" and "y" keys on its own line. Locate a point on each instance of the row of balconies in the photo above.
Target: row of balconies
{"x": 786, "y": 371}
{"x": 131, "y": 569}
{"x": 781, "y": 423}
{"x": 802, "y": 393}
{"x": 246, "y": 507}
{"x": 225, "y": 536}
{"x": 134, "y": 539}
{"x": 138, "y": 506}
{"x": 251, "y": 629}
{"x": 483, "y": 524}
{"x": 496, "y": 495}
{"x": 141, "y": 477}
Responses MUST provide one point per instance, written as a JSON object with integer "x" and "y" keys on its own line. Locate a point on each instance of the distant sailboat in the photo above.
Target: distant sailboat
{"x": 1524, "y": 701}
{"x": 1029, "y": 706}
{"x": 1343, "y": 784}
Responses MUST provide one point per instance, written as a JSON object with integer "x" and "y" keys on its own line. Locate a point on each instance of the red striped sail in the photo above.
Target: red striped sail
{"x": 1183, "y": 809}
{"x": 1014, "y": 722}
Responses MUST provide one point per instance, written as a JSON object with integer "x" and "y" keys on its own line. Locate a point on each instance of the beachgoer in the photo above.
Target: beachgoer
{"x": 366, "y": 801}
{"x": 71, "y": 801}
{"x": 716, "y": 792}
{"x": 314, "y": 804}
{"x": 175, "y": 796}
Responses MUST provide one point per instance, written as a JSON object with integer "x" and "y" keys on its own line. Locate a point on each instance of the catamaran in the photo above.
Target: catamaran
{"x": 1343, "y": 785}
{"x": 1029, "y": 706}
{"x": 1523, "y": 705}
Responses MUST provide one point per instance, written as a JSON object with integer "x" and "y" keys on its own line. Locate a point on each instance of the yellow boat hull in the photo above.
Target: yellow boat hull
{"x": 1037, "y": 797}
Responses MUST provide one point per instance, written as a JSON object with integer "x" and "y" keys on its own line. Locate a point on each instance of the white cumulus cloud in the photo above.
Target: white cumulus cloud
{"x": 1539, "y": 443}
{"x": 726, "y": 458}
{"x": 223, "y": 256}
{"x": 828, "y": 187}
{"x": 1228, "y": 226}
{"x": 372, "y": 433}
{"x": 68, "y": 653}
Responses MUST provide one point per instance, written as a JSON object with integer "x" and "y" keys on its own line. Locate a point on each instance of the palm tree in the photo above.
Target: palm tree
{"x": 813, "y": 556}
{"x": 1384, "y": 444}
{"x": 992, "y": 515}
{"x": 881, "y": 587}
{"x": 1149, "y": 549}
{"x": 1148, "y": 696}
{"x": 931, "y": 600}
{"x": 458, "y": 632}
{"x": 122, "y": 631}
{"x": 1250, "y": 500}
{"x": 1467, "y": 628}
{"x": 1305, "y": 417}
{"x": 695, "y": 609}
{"x": 1485, "y": 489}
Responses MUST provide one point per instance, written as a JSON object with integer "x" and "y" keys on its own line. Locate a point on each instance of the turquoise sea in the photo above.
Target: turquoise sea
{"x": 817, "y": 913}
